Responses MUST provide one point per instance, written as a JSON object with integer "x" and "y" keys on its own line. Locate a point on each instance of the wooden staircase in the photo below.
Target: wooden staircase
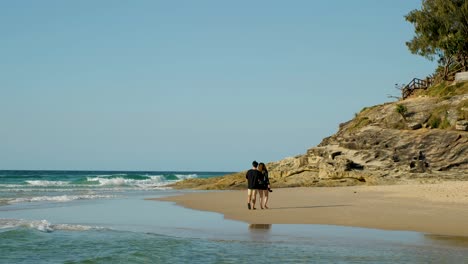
{"x": 416, "y": 84}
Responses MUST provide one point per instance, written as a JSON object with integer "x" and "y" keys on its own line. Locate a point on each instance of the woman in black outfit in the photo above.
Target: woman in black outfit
{"x": 264, "y": 185}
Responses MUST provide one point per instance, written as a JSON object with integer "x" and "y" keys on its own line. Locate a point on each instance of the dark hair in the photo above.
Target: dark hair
{"x": 262, "y": 167}
{"x": 255, "y": 164}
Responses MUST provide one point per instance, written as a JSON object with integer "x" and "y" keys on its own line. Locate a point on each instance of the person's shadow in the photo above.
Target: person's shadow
{"x": 309, "y": 207}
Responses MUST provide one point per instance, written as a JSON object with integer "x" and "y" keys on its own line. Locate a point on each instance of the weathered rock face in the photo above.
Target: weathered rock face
{"x": 379, "y": 146}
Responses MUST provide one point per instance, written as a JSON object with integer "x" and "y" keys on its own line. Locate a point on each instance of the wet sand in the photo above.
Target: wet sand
{"x": 440, "y": 208}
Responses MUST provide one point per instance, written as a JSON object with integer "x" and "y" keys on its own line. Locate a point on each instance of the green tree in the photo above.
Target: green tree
{"x": 441, "y": 31}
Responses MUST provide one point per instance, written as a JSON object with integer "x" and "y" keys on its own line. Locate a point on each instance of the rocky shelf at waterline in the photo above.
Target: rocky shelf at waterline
{"x": 427, "y": 142}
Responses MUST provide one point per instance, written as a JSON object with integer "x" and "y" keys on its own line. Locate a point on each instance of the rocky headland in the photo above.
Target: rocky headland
{"x": 423, "y": 139}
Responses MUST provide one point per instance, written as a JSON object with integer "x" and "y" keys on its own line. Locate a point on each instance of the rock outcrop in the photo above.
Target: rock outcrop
{"x": 426, "y": 141}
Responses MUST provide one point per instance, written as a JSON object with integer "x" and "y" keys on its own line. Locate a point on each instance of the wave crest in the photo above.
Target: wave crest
{"x": 43, "y": 225}
{"x": 147, "y": 181}
{"x": 47, "y": 183}
{"x": 60, "y": 198}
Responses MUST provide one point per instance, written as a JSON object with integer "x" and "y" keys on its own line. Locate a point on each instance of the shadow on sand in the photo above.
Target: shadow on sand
{"x": 308, "y": 207}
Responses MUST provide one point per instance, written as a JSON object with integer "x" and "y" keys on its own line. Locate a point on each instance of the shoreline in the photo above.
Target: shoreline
{"x": 439, "y": 209}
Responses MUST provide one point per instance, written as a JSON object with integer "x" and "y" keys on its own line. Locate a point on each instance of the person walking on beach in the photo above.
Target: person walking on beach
{"x": 252, "y": 177}
{"x": 264, "y": 187}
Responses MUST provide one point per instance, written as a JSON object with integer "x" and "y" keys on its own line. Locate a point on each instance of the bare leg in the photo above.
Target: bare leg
{"x": 260, "y": 192}
{"x": 254, "y": 198}
{"x": 265, "y": 193}
{"x": 249, "y": 197}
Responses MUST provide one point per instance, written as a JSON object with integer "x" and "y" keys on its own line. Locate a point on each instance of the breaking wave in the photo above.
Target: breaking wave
{"x": 120, "y": 179}
{"x": 43, "y": 225}
{"x": 47, "y": 183}
{"x": 60, "y": 198}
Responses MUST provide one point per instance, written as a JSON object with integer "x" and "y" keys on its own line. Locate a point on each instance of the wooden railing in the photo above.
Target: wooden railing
{"x": 416, "y": 84}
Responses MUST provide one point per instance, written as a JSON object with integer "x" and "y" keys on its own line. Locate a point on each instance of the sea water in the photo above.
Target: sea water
{"x": 104, "y": 217}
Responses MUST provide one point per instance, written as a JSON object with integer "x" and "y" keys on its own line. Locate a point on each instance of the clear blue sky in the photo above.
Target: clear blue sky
{"x": 191, "y": 85}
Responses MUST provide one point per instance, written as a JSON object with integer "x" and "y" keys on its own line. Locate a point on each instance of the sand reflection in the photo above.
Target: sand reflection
{"x": 459, "y": 241}
{"x": 260, "y": 226}
{"x": 260, "y": 232}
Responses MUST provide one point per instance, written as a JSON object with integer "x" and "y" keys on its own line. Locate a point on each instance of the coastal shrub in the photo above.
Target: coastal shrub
{"x": 366, "y": 108}
{"x": 439, "y": 117}
{"x": 434, "y": 121}
{"x": 418, "y": 93}
{"x": 449, "y": 91}
{"x": 402, "y": 110}
{"x": 361, "y": 122}
{"x": 369, "y": 108}
{"x": 462, "y": 110}
{"x": 445, "y": 89}
{"x": 445, "y": 124}
{"x": 437, "y": 90}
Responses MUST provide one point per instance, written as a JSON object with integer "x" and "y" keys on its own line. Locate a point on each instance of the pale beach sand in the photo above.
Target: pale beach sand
{"x": 440, "y": 208}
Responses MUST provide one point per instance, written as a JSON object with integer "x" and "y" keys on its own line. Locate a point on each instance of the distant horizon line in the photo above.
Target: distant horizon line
{"x": 116, "y": 170}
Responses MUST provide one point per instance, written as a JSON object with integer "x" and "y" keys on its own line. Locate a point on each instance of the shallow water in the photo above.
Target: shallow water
{"x": 125, "y": 228}
{"x": 134, "y": 230}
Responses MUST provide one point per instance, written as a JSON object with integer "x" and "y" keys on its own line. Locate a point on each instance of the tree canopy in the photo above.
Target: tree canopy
{"x": 441, "y": 31}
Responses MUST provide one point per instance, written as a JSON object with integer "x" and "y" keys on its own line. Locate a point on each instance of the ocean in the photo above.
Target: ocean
{"x": 104, "y": 217}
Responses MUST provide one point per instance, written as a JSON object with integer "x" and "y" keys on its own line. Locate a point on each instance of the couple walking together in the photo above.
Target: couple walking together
{"x": 258, "y": 182}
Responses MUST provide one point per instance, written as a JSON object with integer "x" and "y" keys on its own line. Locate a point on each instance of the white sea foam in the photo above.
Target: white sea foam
{"x": 153, "y": 181}
{"x": 43, "y": 225}
{"x": 47, "y": 183}
{"x": 186, "y": 176}
{"x": 48, "y": 189}
{"x": 11, "y": 185}
{"x": 83, "y": 188}
{"x": 61, "y": 198}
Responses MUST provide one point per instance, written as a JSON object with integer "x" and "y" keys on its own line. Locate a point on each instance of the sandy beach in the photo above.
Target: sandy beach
{"x": 440, "y": 208}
